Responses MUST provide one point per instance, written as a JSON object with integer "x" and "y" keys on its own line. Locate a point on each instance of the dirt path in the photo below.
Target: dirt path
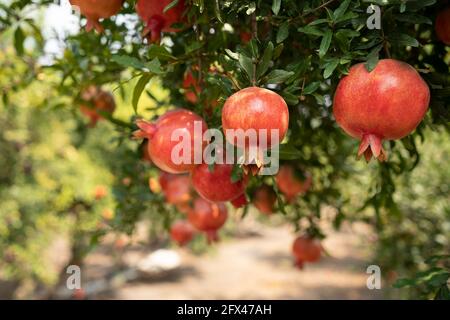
{"x": 260, "y": 267}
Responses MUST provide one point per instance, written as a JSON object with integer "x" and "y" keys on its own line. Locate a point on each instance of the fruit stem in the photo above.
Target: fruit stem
{"x": 371, "y": 145}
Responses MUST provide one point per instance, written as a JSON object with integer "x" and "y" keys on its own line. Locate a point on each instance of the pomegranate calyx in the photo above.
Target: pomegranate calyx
{"x": 371, "y": 145}
{"x": 153, "y": 29}
{"x": 212, "y": 236}
{"x": 146, "y": 130}
{"x": 94, "y": 24}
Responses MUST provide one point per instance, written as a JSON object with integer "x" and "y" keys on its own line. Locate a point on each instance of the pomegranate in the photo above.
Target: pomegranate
{"x": 182, "y": 232}
{"x": 177, "y": 189}
{"x": 290, "y": 184}
{"x": 191, "y": 87}
{"x": 208, "y": 217}
{"x": 245, "y": 37}
{"x": 215, "y": 184}
{"x": 442, "y": 26}
{"x": 94, "y": 10}
{"x": 255, "y": 109}
{"x": 385, "y": 104}
{"x": 95, "y": 101}
{"x": 264, "y": 199}
{"x": 144, "y": 153}
{"x": 100, "y": 192}
{"x": 240, "y": 201}
{"x": 306, "y": 249}
{"x": 156, "y": 20}
{"x": 160, "y": 144}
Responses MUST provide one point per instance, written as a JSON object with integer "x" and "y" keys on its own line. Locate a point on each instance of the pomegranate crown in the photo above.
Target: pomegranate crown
{"x": 146, "y": 129}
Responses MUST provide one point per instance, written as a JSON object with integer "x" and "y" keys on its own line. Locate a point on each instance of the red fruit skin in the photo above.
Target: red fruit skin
{"x": 306, "y": 249}
{"x": 182, "y": 232}
{"x": 245, "y": 37}
{"x": 442, "y": 26}
{"x": 98, "y": 100}
{"x": 159, "y": 135}
{"x": 385, "y": 104}
{"x": 208, "y": 217}
{"x": 191, "y": 86}
{"x": 177, "y": 189}
{"x": 255, "y": 108}
{"x": 240, "y": 201}
{"x": 290, "y": 185}
{"x": 95, "y": 10}
{"x": 264, "y": 199}
{"x": 216, "y": 185}
{"x": 156, "y": 20}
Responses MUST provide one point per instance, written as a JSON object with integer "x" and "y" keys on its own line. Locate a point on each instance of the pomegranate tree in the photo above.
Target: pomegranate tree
{"x": 385, "y": 104}
{"x": 291, "y": 182}
{"x": 264, "y": 199}
{"x": 208, "y": 217}
{"x": 255, "y": 109}
{"x": 177, "y": 188}
{"x": 182, "y": 232}
{"x": 94, "y": 10}
{"x": 156, "y": 20}
{"x": 442, "y": 26}
{"x": 95, "y": 102}
{"x": 161, "y": 144}
{"x": 306, "y": 249}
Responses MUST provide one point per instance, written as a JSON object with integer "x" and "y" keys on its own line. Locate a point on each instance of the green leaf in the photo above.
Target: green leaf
{"x": 339, "y": 12}
{"x": 276, "y": 5}
{"x": 311, "y": 88}
{"x": 217, "y": 11}
{"x": 154, "y": 66}
{"x": 129, "y": 62}
{"x": 277, "y": 51}
{"x": 232, "y": 55}
{"x": 279, "y": 76}
{"x": 251, "y": 8}
{"x": 283, "y": 32}
{"x": 289, "y": 152}
{"x": 330, "y": 67}
{"x": 400, "y": 283}
{"x": 139, "y": 88}
{"x": 403, "y": 39}
{"x": 373, "y": 58}
{"x": 19, "y": 37}
{"x": 247, "y": 65}
{"x": 263, "y": 65}
{"x": 325, "y": 44}
{"x": 170, "y": 5}
{"x": 311, "y": 30}
{"x": 160, "y": 52}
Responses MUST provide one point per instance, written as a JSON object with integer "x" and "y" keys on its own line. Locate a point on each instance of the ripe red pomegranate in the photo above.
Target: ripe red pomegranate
{"x": 306, "y": 249}
{"x": 385, "y": 104}
{"x": 264, "y": 199}
{"x": 156, "y": 20}
{"x": 160, "y": 144}
{"x": 240, "y": 201}
{"x": 191, "y": 87}
{"x": 177, "y": 188}
{"x": 290, "y": 183}
{"x": 255, "y": 109}
{"x": 215, "y": 184}
{"x": 442, "y": 26}
{"x": 208, "y": 217}
{"x": 182, "y": 232}
{"x": 96, "y": 101}
{"x": 94, "y": 10}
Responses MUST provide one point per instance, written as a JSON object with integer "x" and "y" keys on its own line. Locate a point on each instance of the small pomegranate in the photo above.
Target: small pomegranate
{"x": 442, "y": 26}
{"x": 161, "y": 145}
{"x": 259, "y": 111}
{"x": 240, "y": 201}
{"x": 97, "y": 101}
{"x": 208, "y": 217}
{"x": 306, "y": 249}
{"x": 245, "y": 37}
{"x": 156, "y": 20}
{"x": 191, "y": 87}
{"x": 290, "y": 183}
{"x": 182, "y": 232}
{"x": 177, "y": 189}
{"x": 94, "y": 10}
{"x": 385, "y": 104}
{"x": 264, "y": 199}
{"x": 100, "y": 192}
{"x": 215, "y": 184}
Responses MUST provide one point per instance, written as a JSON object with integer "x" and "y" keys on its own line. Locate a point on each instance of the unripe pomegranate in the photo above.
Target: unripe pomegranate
{"x": 385, "y": 104}
{"x": 306, "y": 249}
{"x": 191, "y": 87}
{"x": 215, "y": 184}
{"x": 161, "y": 145}
{"x": 156, "y": 20}
{"x": 442, "y": 26}
{"x": 96, "y": 101}
{"x": 94, "y": 10}
{"x": 182, "y": 232}
{"x": 177, "y": 188}
{"x": 208, "y": 217}
{"x": 290, "y": 183}
{"x": 249, "y": 118}
{"x": 264, "y": 199}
